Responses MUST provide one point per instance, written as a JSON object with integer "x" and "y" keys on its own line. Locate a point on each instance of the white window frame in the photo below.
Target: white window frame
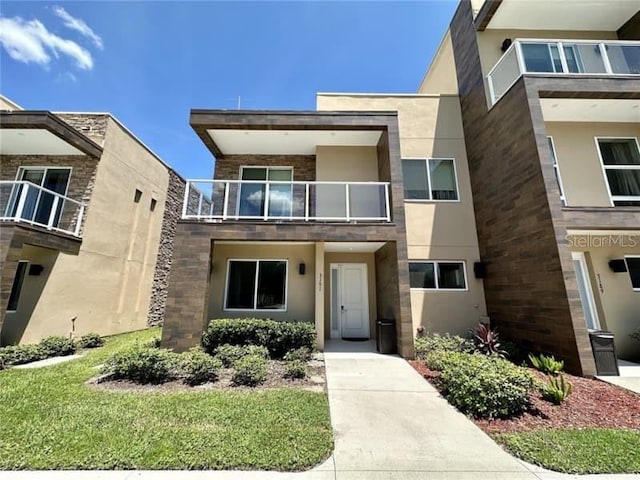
{"x": 556, "y": 168}
{"x": 614, "y": 198}
{"x": 255, "y": 287}
{"x": 26, "y": 273}
{"x": 455, "y": 177}
{"x": 629, "y": 271}
{"x": 435, "y": 270}
{"x": 591, "y": 300}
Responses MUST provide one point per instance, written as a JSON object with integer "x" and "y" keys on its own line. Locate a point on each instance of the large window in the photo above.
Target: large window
{"x": 439, "y": 275}
{"x": 264, "y": 182}
{"x": 39, "y": 203}
{"x": 430, "y": 179}
{"x": 633, "y": 265}
{"x": 621, "y": 162}
{"x": 256, "y": 285}
{"x": 16, "y": 288}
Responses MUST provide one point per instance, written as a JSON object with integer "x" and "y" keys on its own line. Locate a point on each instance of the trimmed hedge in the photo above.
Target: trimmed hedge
{"x": 58, "y": 346}
{"x": 278, "y": 337}
{"x": 20, "y": 354}
{"x": 197, "y": 367}
{"x": 435, "y": 342}
{"x": 90, "y": 340}
{"x": 142, "y": 364}
{"x": 250, "y": 371}
{"x": 228, "y": 355}
{"x": 295, "y": 369}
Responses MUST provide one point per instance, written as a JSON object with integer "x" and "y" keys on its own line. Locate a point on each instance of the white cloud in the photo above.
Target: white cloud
{"x": 30, "y": 41}
{"x": 79, "y": 26}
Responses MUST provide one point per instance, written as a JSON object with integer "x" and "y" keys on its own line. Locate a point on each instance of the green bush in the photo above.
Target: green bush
{"x": 303, "y": 354}
{"x": 440, "y": 359}
{"x": 20, "y": 354}
{"x": 295, "y": 369}
{"x": 142, "y": 364}
{"x": 91, "y": 340}
{"x": 153, "y": 343}
{"x": 557, "y": 390}
{"x": 197, "y": 367}
{"x": 250, "y": 371}
{"x": 277, "y": 337}
{"x": 431, "y": 342}
{"x": 546, "y": 364}
{"x": 228, "y": 355}
{"x": 57, "y": 346}
{"x": 486, "y": 387}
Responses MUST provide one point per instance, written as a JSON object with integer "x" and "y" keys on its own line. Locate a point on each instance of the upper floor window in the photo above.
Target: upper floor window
{"x": 556, "y": 170}
{"x": 621, "y": 163}
{"x": 39, "y": 204}
{"x": 430, "y": 179}
{"x": 260, "y": 183}
{"x": 633, "y": 266}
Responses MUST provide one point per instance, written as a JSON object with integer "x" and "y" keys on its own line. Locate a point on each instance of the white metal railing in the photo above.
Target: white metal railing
{"x": 562, "y": 57}
{"x": 286, "y": 201}
{"x": 22, "y": 201}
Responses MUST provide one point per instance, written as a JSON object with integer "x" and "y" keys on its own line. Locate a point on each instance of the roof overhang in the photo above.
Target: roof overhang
{"x": 590, "y": 110}
{"x": 580, "y": 15}
{"x": 235, "y": 132}
{"x": 30, "y": 132}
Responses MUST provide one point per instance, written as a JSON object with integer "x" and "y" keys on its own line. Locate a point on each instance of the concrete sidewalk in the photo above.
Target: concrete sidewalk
{"x": 389, "y": 423}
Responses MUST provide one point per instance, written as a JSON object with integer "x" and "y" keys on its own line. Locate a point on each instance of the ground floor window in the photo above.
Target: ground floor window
{"x": 256, "y": 285}
{"x": 16, "y": 288}
{"x": 440, "y": 275}
{"x": 633, "y": 266}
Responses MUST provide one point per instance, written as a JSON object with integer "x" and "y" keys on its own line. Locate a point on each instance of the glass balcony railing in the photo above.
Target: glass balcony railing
{"x": 562, "y": 57}
{"x": 29, "y": 203}
{"x": 286, "y": 201}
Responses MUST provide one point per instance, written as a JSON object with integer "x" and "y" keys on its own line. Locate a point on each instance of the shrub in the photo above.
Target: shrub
{"x": 19, "y": 354}
{"x": 557, "y": 390}
{"x": 198, "y": 367}
{"x": 91, "y": 340}
{"x": 277, "y": 337}
{"x": 295, "y": 369}
{"x": 440, "y": 359}
{"x": 486, "y": 387}
{"x": 487, "y": 341}
{"x": 57, "y": 346}
{"x": 430, "y": 342}
{"x": 142, "y": 364}
{"x": 228, "y": 355}
{"x": 302, "y": 354}
{"x": 512, "y": 351}
{"x": 546, "y": 364}
{"x": 153, "y": 343}
{"x": 250, "y": 371}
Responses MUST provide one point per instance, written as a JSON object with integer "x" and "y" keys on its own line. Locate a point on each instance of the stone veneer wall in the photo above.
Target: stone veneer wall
{"x": 92, "y": 125}
{"x": 172, "y": 213}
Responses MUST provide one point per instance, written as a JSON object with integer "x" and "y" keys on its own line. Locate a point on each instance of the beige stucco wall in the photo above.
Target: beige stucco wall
{"x": 431, "y": 126}
{"x": 300, "y": 288}
{"x": 8, "y": 104}
{"x": 107, "y": 286}
{"x": 617, "y": 304}
{"x": 578, "y": 159}
{"x": 369, "y": 260}
{"x": 441, "y": 76}
{"x": 346, "y": 164}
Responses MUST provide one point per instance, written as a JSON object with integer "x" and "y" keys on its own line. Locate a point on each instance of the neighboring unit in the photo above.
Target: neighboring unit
{"x": 83, "y": 207}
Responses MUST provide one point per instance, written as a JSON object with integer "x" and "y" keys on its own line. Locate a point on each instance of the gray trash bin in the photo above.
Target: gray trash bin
{"x": 604, "y": 352}
{"x": 386, "y": 336}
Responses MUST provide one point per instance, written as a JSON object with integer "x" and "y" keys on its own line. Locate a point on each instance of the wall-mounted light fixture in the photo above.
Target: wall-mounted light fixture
{"x": 480, "y": 269}
{"x": 302, "y": 268}
{"x": 618, "y": 265}
{"x": 506, "y": 43}
{"x": 35, "y": 269}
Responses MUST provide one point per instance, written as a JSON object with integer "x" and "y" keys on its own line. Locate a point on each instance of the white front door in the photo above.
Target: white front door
{"x": 349, "y": 301}
{"x": 584, "y": 290}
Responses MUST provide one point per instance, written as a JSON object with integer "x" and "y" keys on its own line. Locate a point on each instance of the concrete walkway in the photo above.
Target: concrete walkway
{"x": 629, "y": 376}
{"x": 388, "y": 422}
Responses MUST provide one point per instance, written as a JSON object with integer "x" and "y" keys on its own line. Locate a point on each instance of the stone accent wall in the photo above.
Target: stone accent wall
{"x": 90, "y": 125}
{"x": 81, "y": 180}
{"x": 172, "y": 213}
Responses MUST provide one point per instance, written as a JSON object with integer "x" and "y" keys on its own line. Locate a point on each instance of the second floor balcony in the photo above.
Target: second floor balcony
{"x": 562, "y": 58}
{"x": 26, "y": 202}
{"x": 286, "y": 201}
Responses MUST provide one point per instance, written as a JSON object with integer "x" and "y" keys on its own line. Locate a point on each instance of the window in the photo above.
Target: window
{"x": 256, "y": 285}
{"x": 430, "y": 179}
{"x": 437, "y": 275}
{"x": 275, "y": 181}
{"x": 556, "y": 170}
{"x": 621, "y": 163}
{"x": 38, "y": 203}
{"x": 137, "y": 196}
{"x": 633, "y": 266}
{"x": 152, "y": 206}
{"x": 16, "y": 288}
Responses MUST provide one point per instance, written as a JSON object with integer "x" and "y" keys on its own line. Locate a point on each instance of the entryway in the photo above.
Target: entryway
{"x": 349, "y": 301}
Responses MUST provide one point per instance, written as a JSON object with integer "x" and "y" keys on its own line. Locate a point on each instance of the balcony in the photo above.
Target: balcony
{"x": 277, "y": 201}
{"x": 26, "y": 202}
{"x": 561, "y": 58}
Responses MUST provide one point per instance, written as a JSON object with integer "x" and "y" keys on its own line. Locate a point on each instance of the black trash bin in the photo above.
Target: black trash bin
{"x": 604, "y": 352}
{"x": 386, "y": 336}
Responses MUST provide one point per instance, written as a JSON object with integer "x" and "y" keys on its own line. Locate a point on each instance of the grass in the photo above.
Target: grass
{"x": 578, "y": 451}
{"x": 51, "y": 420}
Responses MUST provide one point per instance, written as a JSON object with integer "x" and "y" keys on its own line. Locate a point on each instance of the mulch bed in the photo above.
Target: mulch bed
{"x": 592, "y": 404}
{"x": 314, "y": 381}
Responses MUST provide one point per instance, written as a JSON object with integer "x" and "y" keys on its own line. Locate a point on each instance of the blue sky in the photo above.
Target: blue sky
{"x": 149, "y": 63}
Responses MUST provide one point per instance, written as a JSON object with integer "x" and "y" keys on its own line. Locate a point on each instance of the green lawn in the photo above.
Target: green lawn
{"x": 578, "y": 451}
{"x": 51, "y": 420}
